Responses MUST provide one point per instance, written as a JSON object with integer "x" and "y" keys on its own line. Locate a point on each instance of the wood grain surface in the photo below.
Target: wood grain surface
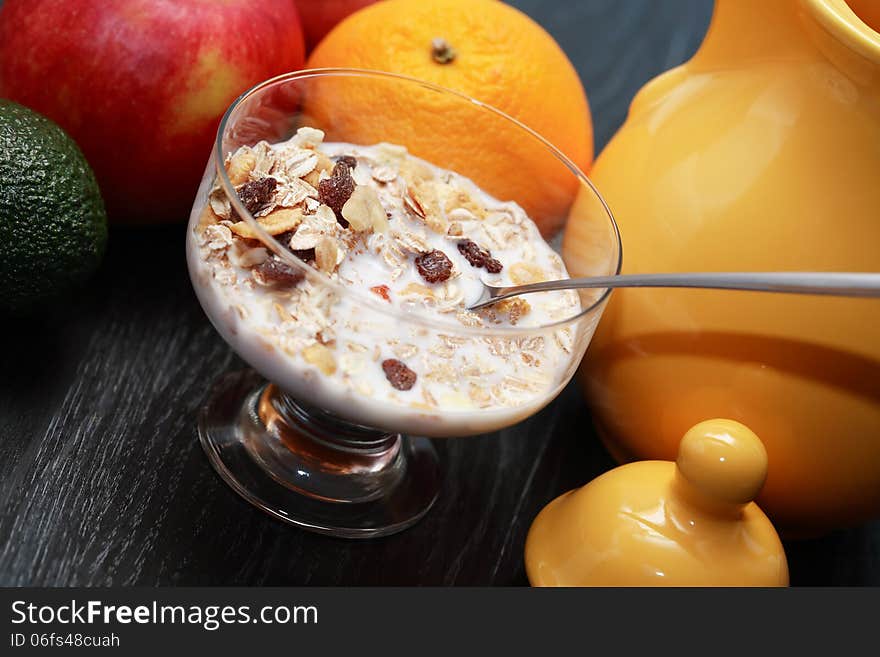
{"x": 102, "y": 480}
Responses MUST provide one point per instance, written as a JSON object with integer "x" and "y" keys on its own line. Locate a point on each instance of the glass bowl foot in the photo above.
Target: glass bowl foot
{"x": 311, "y": 469}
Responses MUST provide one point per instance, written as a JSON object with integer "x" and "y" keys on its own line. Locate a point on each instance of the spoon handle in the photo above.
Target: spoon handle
{"x": 849, "y": 284}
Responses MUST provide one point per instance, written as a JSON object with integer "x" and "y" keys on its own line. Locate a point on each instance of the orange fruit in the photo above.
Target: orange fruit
{"x": 484, "y": 49}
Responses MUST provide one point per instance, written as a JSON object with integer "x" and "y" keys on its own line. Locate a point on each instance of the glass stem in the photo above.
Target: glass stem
{"x": 320, "y": 455}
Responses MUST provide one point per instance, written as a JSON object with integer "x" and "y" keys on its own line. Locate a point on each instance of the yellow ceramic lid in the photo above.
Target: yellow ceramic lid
{"x": 655, "y": 523}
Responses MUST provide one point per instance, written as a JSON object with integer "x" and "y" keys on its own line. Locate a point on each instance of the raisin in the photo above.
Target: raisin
{"x": 434, "y": 266}
{"x": 478, "y": 256}
{"x": 382, "y": 291}
{"x": 336, "y": 190}
{"x": 257, "y": 193}
{"x": 473, "y": 252}
{"x": 275, "y": 271}
{"x": 398, "y": 374}
{"x": 493, "y": 266}
{"x": 350, "y": 160}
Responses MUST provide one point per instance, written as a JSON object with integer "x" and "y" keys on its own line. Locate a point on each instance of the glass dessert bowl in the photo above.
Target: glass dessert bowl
{"x": 339, "y": 259}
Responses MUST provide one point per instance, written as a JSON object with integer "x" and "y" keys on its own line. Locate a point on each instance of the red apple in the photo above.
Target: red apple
{"x": 320, "y": 16}
{"x": 141, "y": 84}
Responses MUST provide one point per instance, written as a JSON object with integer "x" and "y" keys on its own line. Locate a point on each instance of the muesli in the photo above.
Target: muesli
{"x": 397, "y": 230}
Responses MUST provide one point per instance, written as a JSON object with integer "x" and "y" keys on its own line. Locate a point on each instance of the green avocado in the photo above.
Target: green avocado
{"x": 53, "y": 226}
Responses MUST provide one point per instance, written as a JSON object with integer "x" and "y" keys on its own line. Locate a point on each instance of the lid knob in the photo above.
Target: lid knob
{"x": 723, "y": 460}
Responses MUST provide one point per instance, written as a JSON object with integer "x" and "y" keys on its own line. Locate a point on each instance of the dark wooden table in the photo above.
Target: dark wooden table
{"x": 102, "y": 480}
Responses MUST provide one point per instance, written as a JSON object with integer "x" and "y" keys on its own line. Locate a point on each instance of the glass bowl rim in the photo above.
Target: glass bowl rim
{"x": 363, "y": 299}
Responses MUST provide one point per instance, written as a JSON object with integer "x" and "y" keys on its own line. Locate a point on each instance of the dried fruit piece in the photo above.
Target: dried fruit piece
{"x": 383, "y": 291}
{"x": 478, "y": 256}
{"x": 493, "y": 266}
{"x": 321, "y": 357}
{"x": 336, "y": 190}
{"x": 273, "y": 271}
{"x": 364, "y": 210}
{"x": 473, "y": 252}
{"x": 434, "y": 266}
{"x": 257, "y": 193}
{"x": 350, "y": 160}
{"x": 398, "y": 374}
{"x": 325, "y": 254}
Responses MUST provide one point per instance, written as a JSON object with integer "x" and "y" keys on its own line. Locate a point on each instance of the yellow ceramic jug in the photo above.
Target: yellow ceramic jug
{"x": 657, "y": 523}
{"x": 762, "y": 153}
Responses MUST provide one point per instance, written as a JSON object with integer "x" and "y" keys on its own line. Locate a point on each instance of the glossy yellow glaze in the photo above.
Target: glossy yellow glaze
{"x": 724, "y": 459}
{"x": 657, "y": 523}
{"x": 760, "y": 154}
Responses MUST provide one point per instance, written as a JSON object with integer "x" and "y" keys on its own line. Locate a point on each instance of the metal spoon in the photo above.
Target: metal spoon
{"x": 844, "y": 284}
